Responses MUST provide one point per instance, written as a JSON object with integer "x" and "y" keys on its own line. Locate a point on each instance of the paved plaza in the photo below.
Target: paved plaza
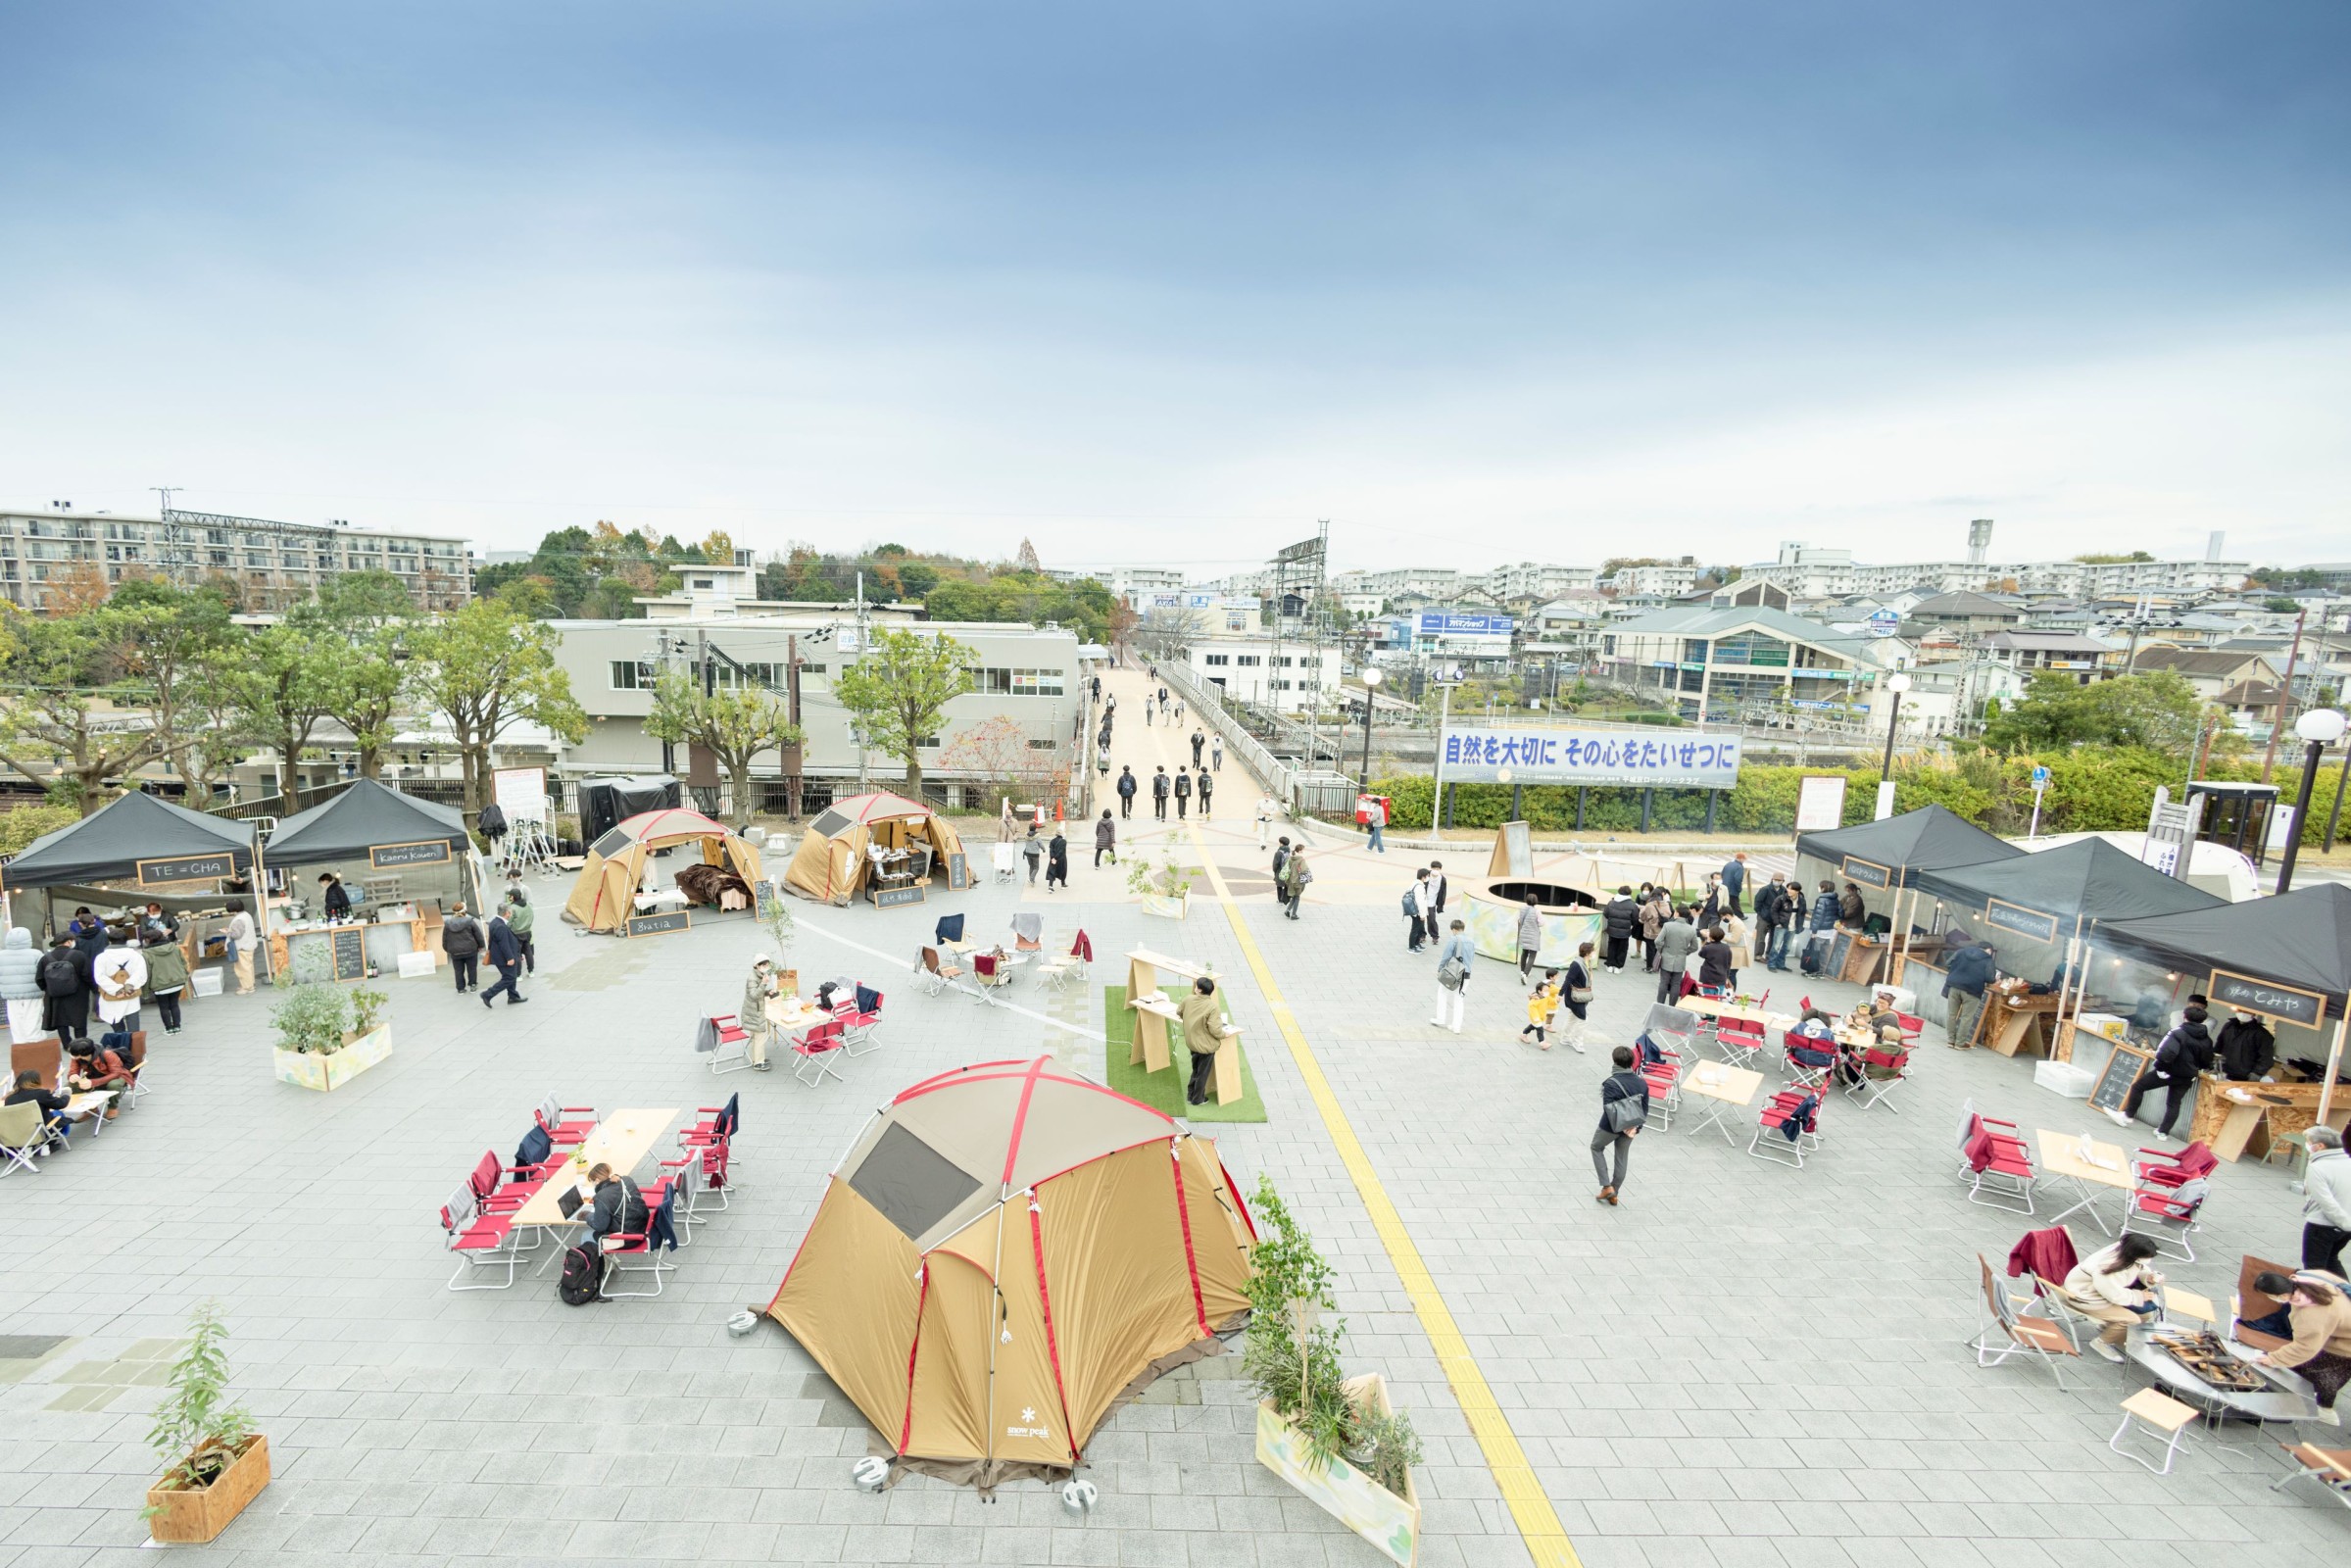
{"x": 1744, "y": 1364}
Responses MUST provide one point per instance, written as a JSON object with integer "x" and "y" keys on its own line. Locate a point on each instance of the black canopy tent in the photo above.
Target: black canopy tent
{"x": 144, "y": 840}
{"x": 2299, "y": 942}
{"x": 376, "y": 825}
{"x": 2039, "y": 896}
{"x": 1891, "y": 852}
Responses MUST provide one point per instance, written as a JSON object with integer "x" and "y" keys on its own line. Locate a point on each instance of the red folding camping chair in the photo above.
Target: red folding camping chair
{"x": 816, "y": 1050}
{"x": 1998, "y": 1167}
{"x": 2167, "y": 1194}
{"x": 1789, "y": 1127}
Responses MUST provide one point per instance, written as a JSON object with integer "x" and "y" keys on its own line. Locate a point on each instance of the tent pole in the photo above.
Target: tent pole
{"x": 261, "y": 911}
{"x": 2061, "y": 1037}
{"x": 2334, "y": 1057}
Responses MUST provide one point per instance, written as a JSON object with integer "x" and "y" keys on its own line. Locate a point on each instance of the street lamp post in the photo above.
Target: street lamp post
{"x": 1371, "y": 690}
{"x": 1896, "y": 683}
{"x": 2319, "y": 728}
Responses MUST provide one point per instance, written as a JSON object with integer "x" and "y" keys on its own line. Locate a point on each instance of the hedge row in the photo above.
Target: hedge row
{"x": 2091, "y": 789}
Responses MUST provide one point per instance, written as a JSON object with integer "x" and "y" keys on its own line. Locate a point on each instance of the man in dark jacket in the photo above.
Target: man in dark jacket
{"x": 1735, "y": 879}
{"x": 338, "y": 896}
{"x": 462, "y": 939}
{"x": 2184, "y": 1053}
{"x": 1771, "y": 918}
{"x": 618, "y": 1209}
{"x": 1619, "y": 920}
{"x": 505, "y": 957}
{"x": 1622, "y": 1084}
{"x": 55, "y": 1129}
{"x": 1126, "y": 792}
{"x": 1182, "y": 793}
{"x": 1970, "y": 969}
{"x": 1159, "y": 787}
{"x": 2248, "y": 1051}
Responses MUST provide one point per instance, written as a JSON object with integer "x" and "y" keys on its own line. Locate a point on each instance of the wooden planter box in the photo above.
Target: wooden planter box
{"x": 192, "y": 1518}
{"x": 1389, "y": 1522}
{"x": 1167, "y": 906}
{"x": 310, "y": 1070}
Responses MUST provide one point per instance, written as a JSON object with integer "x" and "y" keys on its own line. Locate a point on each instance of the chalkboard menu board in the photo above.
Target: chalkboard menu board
{"x": 187, "y": 868}
{"x": 892, "y": 898}
{"x": 958, "y": 871}
{"x": 2020, "y": 920}
{"x": 430, "y": 851}
{"x": 2122, "y": 1071}
{"x": 350, "y": 947}
{"x": 1867, "y": 873}
{"x": 1840, "y": 947}
{"x": 2291, "y": 1002}
{"x": 646, "y": 926}
{"x": 763, "y": 897}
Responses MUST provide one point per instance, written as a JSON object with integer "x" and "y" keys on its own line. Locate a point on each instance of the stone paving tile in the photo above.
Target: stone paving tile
{"x": 1745, "y": 1364}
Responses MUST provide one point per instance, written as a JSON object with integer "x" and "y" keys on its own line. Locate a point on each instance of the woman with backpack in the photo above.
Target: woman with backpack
{"x": 1454, "y": 960}
{"x": 1624, "y": 1112}
{"x": 66, "y": 991}
{"x": 1295, "y": 875}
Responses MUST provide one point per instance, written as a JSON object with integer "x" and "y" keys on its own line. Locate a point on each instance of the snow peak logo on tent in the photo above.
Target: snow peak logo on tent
{"x": 1029, "y": 1430}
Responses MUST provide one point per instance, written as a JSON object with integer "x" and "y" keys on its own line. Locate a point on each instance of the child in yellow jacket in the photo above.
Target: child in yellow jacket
{"x": 1539, "y": 1013}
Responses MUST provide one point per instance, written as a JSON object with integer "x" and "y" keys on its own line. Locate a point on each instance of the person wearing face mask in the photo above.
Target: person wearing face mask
{"x": 2248, "y": 1051}
{"x": 2186, "y": 1051}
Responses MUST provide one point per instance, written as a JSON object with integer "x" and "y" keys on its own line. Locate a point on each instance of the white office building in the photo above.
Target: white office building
{"x": 1287, "y": 676}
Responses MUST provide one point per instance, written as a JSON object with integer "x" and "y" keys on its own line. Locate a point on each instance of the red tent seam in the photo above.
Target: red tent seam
{"x": 1175, "y": 1164}
{"x": 1052, "y": 1346}
{"x": 906, "y": 1428}
{"x": 1020, "y": 1119}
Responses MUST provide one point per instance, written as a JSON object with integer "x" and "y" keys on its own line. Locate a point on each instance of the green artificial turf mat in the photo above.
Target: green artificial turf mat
{"x": 1164, "y": 1091}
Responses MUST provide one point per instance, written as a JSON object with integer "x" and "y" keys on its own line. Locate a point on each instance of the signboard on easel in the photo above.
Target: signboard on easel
{"x": 520, "y": 793}
{"x": 2122, "y": 1071}
{"x": 1513, "y": 851}
{"x": 1820, "y": 803}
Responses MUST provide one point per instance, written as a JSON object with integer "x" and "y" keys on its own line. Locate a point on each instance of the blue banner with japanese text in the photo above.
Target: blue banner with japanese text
{"x": 1671, "y": 759}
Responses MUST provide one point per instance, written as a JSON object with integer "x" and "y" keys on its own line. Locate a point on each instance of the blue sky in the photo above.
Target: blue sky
{"x": 1476, "y": 282}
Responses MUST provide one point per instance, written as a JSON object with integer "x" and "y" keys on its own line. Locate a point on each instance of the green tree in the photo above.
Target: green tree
{"x": 75, "y": 713}
{"x": 281, "y": 689}
{"x": 719, "y": 548}
{"x": 898, "y": 689}
{"x": 484, "y": 671}
{"x": 173, "y": 648}
{"x": 367, "y": 614}
{"x": 733, "y": 724}
{"x": 2158, "y": 710}
{"x": 917, "y": 578}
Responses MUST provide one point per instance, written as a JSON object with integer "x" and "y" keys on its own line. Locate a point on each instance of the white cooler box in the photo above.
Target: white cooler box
{"x": 2065, "y": 1078}
{"x": 206, "y": 981}
{"x": 416, "y": 965}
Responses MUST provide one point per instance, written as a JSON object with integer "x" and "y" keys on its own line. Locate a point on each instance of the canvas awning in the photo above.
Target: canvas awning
{"x": 2090, "y": 880}
{"x": 366, "y": 814}
{"x": 108, "y": 845}
{"x": 2300, "y": 939}
{"x": 1932, "y": 838}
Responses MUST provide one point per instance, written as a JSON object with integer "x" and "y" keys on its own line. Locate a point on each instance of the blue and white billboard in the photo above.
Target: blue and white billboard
{"x": 1452, "y": 623}
{"x": 1480, "y": 754}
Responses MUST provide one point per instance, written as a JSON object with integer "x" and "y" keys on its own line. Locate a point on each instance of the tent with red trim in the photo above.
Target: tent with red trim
{"x": 1007, "y": 1249}
{"x": 835, "y": 855}
{"x": 605, "y": 895}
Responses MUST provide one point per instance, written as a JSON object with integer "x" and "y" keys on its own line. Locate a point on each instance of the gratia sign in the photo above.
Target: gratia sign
{"x": 1477, "y": 755}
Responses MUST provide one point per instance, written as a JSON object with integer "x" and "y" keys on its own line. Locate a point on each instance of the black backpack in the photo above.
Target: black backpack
{"x": 582, "y": 1281}
{"x": 60, "y": 974}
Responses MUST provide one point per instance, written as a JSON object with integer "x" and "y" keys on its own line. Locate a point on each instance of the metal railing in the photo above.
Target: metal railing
{"x": 1208, "y": 701}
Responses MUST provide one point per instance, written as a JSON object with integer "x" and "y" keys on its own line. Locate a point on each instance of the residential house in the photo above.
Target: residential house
{"x": 1725, "y": 662}
{"x": 2210, "y": 670}
{"x": 2033, "y": 652}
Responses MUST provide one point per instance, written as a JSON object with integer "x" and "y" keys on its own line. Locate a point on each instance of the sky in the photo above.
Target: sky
{"x": 1170, "y": 285}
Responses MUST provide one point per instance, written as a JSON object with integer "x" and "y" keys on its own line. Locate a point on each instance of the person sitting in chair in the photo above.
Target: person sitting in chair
{"x": 54, "y": 1125}
{"x": 96, "y": 1067}
{"x": 2115, "y": 1287}
{"x": 2320, "y": 1348}
{"x": 618, "y": 1209}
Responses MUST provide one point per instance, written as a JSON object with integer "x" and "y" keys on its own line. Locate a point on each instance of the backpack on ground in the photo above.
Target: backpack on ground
{"x": 582, "y": 1279}
{"x": 60, "y": 974}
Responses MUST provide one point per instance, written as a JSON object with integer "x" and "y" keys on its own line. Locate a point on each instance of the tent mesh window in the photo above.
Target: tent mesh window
{"x": 830, "y": 823}
{"x": 612, "y": 843}
{"x": 912, "y": 1184}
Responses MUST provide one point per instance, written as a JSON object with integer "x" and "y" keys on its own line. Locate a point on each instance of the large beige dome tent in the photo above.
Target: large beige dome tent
{"x": 832, "y": 862}
{"x": 1005, "y": 1249}
{"x": 605, "y": 895}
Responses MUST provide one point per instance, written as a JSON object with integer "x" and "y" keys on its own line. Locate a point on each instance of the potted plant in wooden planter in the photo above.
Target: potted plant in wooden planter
{"x": 1336, "y": 1439}
{"x": 327, "y": 1036}
{"x": 1166, "y": 888}
{"x": 217, "y": 1463}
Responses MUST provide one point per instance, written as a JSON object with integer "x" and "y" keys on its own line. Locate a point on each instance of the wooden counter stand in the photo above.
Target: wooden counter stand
{"x": 2018, "y": 1022}
{"x": 2232, "y": 1130}
{"x": 1157, "y": 1030}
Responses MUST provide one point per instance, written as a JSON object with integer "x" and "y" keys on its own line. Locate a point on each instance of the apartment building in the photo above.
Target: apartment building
{"x": 1288, "y": 677}
{"x": 1807, "y": 572}
{"x": 272, "y": 564}
{"x": 1654, "y": 581}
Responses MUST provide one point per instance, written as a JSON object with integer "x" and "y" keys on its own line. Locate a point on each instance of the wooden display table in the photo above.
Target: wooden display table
{"x": 2018, "y": 1022}
{"x": 2109, "y": 1165}
{"x": 1158, "y": 1025}
{"x": 2234, "y": 1119}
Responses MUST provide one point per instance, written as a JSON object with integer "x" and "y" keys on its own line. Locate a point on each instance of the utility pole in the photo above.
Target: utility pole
{"x": 2286, "y": 700}
{"x": 862, "y": 785}
{"x": 792, "y": 701}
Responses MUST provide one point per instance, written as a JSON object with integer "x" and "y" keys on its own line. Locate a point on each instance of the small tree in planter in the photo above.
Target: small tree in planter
{"x": 326, "y": 1034}
{"x": 217, "y": 1463}
{"x": 1166, "y": 888}
{"x": 1334, "y": 1438}
{"x": 311, "y": 1018}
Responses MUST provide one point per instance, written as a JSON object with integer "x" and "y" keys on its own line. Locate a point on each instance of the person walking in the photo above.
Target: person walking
{"x": 1159, "y": 792}
{"x": 1280, "y": 857}
{"x": 2186, "y": 1051}
{"x": 1105, "y": 840}
{"x": 1539, "y": 1012}
{"x": 519, "y": 919}
{"x": 1201, "y": 1017}
{"x": 1968, "y": 970}
{"x": 505, "y": 957}
{"x": 1375, "y": 823}
{"x": 166, "y": 974}
{"x": 1711, "y": 909}
{"x": 759, "y": 1029}
{"x": 240, "y": 950}
{"x": 1735, "y": 879}
{"x": 1183, "y": 793}
{"x": 1207, "y": 790}
{"x": 1416, "y": 911}
{"x": 1574, "y": 994}
{"x": 1199, "y": 745}
{"x": 2326, "y": 1202}
{"x": 66, "y": 992}
{"x": 1620, "y": 918}
{"x": 1267, "y": 810}
{"x": 1454, "y": 960}
{"x": 462, "y": 939}
{"x": 1530, "y": 934}
{"x": 1436, "y": 892}
{"x": 1718, "y": 972}
{"x": 1677, "y": 940}
{"x": 1032, "y": 850}
{"x": 1216, "y": 752}
{"x": 1297, "y": 874}
{"x": 1126, "y": 792}
{"x": 1624, "y": 1112}
{"x": 1178, "y": 710}
{"x": 1056, "y": 861}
